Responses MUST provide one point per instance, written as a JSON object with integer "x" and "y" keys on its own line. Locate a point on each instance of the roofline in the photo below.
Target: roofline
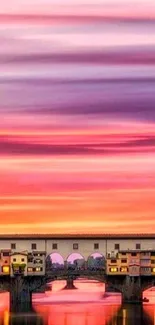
{"x": 78, "y": 236}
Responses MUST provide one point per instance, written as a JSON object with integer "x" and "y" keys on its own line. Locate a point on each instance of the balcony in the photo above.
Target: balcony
{"x": 145, "y": 263}
{"x": 18, "y": 268}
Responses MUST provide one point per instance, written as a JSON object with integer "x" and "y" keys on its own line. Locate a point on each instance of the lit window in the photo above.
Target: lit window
{"x": 153, "y": 270}
{"x": 124, "y": 269}
{"x": 6, "y": 269}
{"x": 38, "y": 269}
{"x": 113, "y": 269}
{"x": 30, "y": 269}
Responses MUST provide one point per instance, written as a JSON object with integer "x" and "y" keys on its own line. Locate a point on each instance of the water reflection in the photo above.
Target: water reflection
{"x": 103, "y": 310}
{"x": 79, "y": 314}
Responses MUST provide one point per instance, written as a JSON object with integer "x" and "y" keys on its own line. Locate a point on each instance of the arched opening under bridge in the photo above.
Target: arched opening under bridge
{"x": 96, "y": 261}
{"x": 54, "y": 261}
{"x": 75, "y": 261}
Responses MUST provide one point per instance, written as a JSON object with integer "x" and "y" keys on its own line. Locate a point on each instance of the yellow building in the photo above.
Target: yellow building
{"x": 117, "y": 264}
{"x": 131, "y": 262}
{"x": 19, "y": 263}
{"x": 152, "y": 262}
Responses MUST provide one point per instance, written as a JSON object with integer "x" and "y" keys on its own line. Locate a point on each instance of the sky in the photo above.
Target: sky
{"x": 77, "y": 117}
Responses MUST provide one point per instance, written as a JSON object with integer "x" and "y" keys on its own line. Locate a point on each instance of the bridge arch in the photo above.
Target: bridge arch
{"x": 55, "y": 261}
{"x": 96, "y": 261}
{"x": 75, "y": 261}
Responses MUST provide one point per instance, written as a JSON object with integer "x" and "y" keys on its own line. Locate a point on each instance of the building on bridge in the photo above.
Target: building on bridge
{"x": 18, "y": 263}
{"x": 131, "y": 262}
{"x": 36, "y": 263}
{"x": 128, "y": 254}
{"x": 5, "y": 261}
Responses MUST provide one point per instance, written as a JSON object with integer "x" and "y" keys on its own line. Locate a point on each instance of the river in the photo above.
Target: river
{"x": 86, "y": 305}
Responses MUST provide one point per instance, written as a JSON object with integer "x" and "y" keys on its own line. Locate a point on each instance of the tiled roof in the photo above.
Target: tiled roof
{"x": 78, "y": 236}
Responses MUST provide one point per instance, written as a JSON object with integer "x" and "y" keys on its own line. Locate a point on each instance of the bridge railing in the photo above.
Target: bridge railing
{"x": 76, "y": 273}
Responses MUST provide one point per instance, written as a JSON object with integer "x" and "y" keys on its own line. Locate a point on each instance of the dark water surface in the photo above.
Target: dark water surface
{"x": 85, "y": 306}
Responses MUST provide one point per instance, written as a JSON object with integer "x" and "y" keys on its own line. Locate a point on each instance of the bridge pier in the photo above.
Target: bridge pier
{"x": 129, "y": 287}
{"x": 132, "y": 290}
{"x": 70, "y": 284}
{"x": 20, "y": 291}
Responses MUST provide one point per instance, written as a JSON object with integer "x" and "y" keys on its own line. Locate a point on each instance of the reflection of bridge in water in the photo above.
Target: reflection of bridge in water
{"x": 80, "y": 314}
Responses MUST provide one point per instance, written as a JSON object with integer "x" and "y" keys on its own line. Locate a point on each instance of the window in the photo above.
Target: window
{"x": 153, "y": 270}
{"x": 38, "y": 269}
{"x": 30, "y": 269}
{"x": 13, "y": 246}
{"x": 124, "y": 254}
{"x": 152, "y": 261}
{"x": 152, "y": 253}
{"x": 54, "y": 246}
{"x": 138, "y": 246}
{"x": 145, "y": 254}
{"x": 146, "y": 269}
{"x": 145, "y": 261}
{"x": 6, "y": 262}
{"x": 133, "y": 254}
{"x": 30, "y": 260}
{"x": 113, "y": 269}
{"x": 124, "y": 269}
{"x": 38, "y": 261}
{"x": 124, "y": 261}
{"x": 34, "y": 246}
{"x": 117, "y": 246}
{"x": 14, "y": 259}
{"x": 113, "y": 261}
{"x": 75, "y": 246}
{"x": 6, "y": 269}
{"x": 23, "y": 260}
{"x": 6, "y": 254}
{"x": 96, "y": 246}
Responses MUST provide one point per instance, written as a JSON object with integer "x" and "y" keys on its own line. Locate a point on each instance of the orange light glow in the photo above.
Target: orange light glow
{"x": 6, "y": 269}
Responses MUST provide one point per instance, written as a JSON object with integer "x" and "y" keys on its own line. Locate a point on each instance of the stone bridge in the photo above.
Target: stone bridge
{"x": 21, "y": 288}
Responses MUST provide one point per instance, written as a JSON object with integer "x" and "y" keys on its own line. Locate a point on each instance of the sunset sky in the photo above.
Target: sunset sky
{"x": 77, "y": 116}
